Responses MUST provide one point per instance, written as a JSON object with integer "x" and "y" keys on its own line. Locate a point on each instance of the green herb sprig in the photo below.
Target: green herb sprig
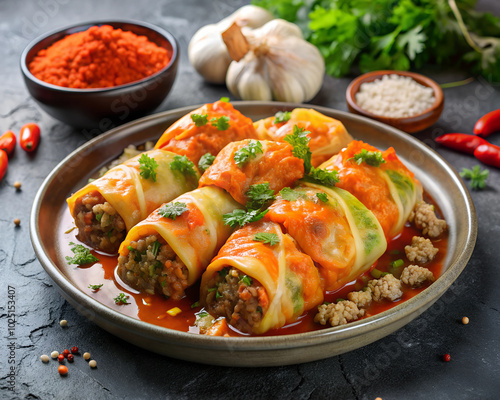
{"x": 246, "y": 153}
{"x": 183, "y": 165}
{"x": 147, "y": 167}
{"x": 373, "y": 158}
{"x": 477, "y": 176}
{"x": 267, "y": 238}
{"x": 206, "y": 161}
{"x": 173, "y": 210}
{"x": 82, "y": 255}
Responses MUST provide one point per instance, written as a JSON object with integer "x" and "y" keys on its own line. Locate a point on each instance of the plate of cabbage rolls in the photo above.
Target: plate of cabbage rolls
{"x": 253, "y": 233}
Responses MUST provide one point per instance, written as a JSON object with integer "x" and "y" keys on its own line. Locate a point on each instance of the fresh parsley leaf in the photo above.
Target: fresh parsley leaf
{"x": 172, "y": 210}
{"x": 300, "y": 143}
{"x": 267, "y": 238}
{"x": 282, "y": 116}
{"x": 155, "y": 248}
{"x": 259, "y": 194}
{"x": 477, "y": 176}
{"x": 206, "y": 161}
{"x": 373, "y": 158}
{"x": 137, "y": 254}
{"x": 221, "y": 123}
{"x": 322, "y": 176}
{"x": 82, "y": 255}
{"x": 121, "y": 298}
{"x": 147, "y": 167}
{"x": 183, "y": 164}
{"x": 96, "y": 287}
{"x": 199, "y": 119}
{"x": 247, "y": 152}
{"x": 322, "y": 196}
{"x": 242, "y": 217}
{"x": 289, "y": 194}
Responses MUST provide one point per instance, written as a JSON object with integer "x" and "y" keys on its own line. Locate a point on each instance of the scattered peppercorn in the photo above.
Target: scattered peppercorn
{"x": 446, "y": 357}
{"x": 60, "y": 358}
{"x": 17, "y": 185}
{"x": 63, "y": 370}
{"x": 70, "y": 357}
{"x": 54, "y": 354}
{"x": 45, "y": 358}
{"x": 92, "y": 363}
{"x": 17, "y": 222}
{"x": 465, "y": 320}
{"x": 74, "y": 349}
{"x": 63, "y": 322}
{"x": 65, "y": 352}
{"x": 86, "y": 356}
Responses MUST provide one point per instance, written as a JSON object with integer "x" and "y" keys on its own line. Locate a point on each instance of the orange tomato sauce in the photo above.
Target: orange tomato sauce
{"x": 153, "y": 308}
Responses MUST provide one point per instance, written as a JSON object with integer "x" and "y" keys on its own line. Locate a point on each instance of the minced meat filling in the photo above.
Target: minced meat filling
{"x": 98, "y": 223}
{"x": 152, "y": 266}
{"x": 235, "y": 296}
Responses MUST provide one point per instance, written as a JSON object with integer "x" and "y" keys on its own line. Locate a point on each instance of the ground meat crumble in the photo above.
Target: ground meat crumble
{"x": 421, "y": 250}
{"x": 415, "y": 276}
{"x": 339, "y": 313}
{"x": 388, "y": 287}
{"x": 424, "y": 218}
{"x": 363, "y": 298}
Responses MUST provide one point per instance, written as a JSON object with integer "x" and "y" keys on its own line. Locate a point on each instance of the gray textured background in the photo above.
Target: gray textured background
{"x": 406, "y": 364}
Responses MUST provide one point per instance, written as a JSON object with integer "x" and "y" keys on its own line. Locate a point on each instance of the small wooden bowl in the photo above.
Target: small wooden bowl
{"x": 411, "y": 124}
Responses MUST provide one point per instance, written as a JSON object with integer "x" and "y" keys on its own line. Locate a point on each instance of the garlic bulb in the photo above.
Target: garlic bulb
{"x": 280, "y": 65}
{"x": 207, "y": 52}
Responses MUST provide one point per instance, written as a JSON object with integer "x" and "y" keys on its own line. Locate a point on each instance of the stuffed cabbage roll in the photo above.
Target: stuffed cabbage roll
{"x": 328, "y": 136}
{"x": 260, "y": 280}
{"x": 206, "y": 130}
{"x": 334, "y": 228}
{"x": 169, "y": 250}
{"x": 380, "y": 181}
{"x": 249, "y": 162}
{"x": 105, "y": 209}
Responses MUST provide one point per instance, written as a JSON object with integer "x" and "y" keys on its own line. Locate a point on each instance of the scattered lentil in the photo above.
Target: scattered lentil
{"x": 465, "y": 320}
{"x": 63, "y": 322}
{"x": 17, "y": 222}
{"x": 45, "y": 358}
{"x": 92, "y": 363}
{"x": 74, "y": 349}
{"x": 446, "y": 357}
{"x": 17, "y": 185}
{"x": 63, "y": 370}
{"x": 54, "y": 354}
{"x": 86, "y": 356}
{"x": 70, "y": 357}
{"x": 60, "y": 358}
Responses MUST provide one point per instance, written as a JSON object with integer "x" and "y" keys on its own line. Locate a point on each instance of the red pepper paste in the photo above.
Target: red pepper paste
{"x": 99, "y": 57}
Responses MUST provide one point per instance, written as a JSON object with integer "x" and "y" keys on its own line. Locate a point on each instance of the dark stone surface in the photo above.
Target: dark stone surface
{"x": 406, "y": 364}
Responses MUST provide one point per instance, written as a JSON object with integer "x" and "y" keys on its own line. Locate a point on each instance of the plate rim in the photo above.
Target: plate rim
{"x": 420, "y": 302}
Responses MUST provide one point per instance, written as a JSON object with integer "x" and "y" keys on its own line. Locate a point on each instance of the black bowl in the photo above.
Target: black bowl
{"x": 106, "y": 107}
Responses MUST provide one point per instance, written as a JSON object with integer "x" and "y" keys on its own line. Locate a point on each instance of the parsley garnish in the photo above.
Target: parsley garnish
{"x": 199, "y": 119}
{"x": 96, "y": 287}
{"x": 259, "y": 194}
{"x": 267, "y": 238}
{"x": 82, "y": 255}
{"x": 251, "y": 150}
{"x": 121, "y": 298}
{"x": 246, "y": 280}
{"x": 477, "y": 176}
{"x": 155, "y": 248}
{"x": 242, "y": 217}
{"x": 206, "y": 161}
{"x": 222, "y": 123}
{"x": 322, "y": 176}
{"x": 183, "y": 164}
{"x": 300, "y": 142}
{"x": 373, "y": 158}
{"x": 282, "y": 116}
{"x": 172, "y": 210}
{"x": 138, "y": 254}
{"x": 147, "y": 166}
{"x": 289, "y": 194}
{"x": 323, "y": 197}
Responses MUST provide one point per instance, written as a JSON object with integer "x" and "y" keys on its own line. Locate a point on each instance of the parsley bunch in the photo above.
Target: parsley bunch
{"x": 396, "y": 34}
{"x": 477, "y": 176}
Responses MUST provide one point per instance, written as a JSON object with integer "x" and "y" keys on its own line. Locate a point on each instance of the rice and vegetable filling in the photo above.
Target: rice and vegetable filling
{"x": 152, "y": 266}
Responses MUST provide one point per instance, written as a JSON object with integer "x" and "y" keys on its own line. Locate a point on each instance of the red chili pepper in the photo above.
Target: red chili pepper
{"x": 488, "y": 154}
{"x": 8, "y": 142}
{"x": 4, "y": 161}
{"x": 29, "y": 137}
{"x": 488, "y": 123}
{"x": 461, "y": 142}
